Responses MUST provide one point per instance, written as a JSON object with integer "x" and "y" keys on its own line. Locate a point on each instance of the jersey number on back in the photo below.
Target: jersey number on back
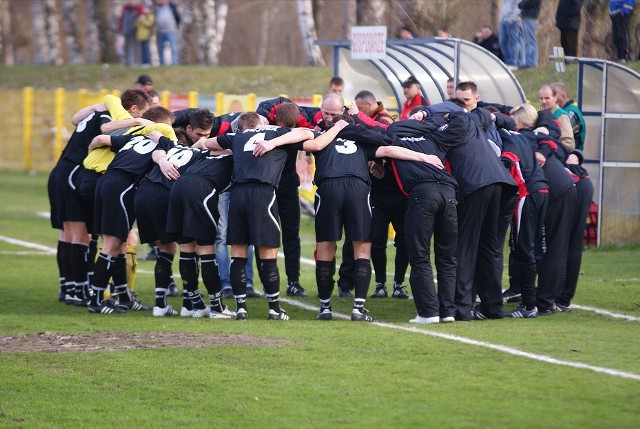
{"x": 346, "y": 147}
{"x": 251, "y": 143}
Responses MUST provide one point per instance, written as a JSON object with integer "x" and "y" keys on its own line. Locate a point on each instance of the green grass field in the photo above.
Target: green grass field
{"x": 578, "y": 369}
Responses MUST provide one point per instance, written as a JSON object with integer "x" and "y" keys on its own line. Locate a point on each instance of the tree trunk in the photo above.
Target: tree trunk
{"x": 263, "y": 35}
{"x": 6, "y": 35}
{"x": 54, "y": 54}
{"x": 348, "y": 18}
{"x": 39, "y": 33}
{"x": 221, "y": 10}
{"x": 308, "y": 33}
{"x": 72, "y": 36}
{"x": 370, "y": 12}
{"x": 104, "y": 21}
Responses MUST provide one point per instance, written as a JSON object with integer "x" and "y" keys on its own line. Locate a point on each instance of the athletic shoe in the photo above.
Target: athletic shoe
{"x": 448, "y": 319}
{"x": 227, "y": 293}
{"x": 201, "y": 312}
{"x": 522, "y": 313}
{"x": 241, "y": 314}
{"x": 564, "y": 308}
{"x": 425, "y": 320}
{"x": 224, "y": 314}
{"x": 549, "y": 311}
{"x": 477, "y": 315}
{"x": 510, "y": 296}
{"x": 185, "y": 312}
{"x": 274, "y": 315}
{"x": 61, "y": 296}
{"x": 361, "y": 316}
{"x": 172, "y": 290}
{"x": 164, "y": 311}
{"x": 106, "y": 307}
{"x": 134, "y": 305}
{"x": 325, "y": 314}
{"x": 294, "y": 289}
{"x": 82, "y": 302}
{"x": 252, "y": 293}
{"x": 70, "y": 299}
{"x": 380, "y": 292}
{"x": 399, "y": 292}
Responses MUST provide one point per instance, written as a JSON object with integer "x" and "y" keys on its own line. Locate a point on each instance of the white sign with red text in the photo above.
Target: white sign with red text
{"x": 369, "y": 42}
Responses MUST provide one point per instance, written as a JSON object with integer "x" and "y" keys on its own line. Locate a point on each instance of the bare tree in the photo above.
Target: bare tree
{"x": 54, "y": 56}
{"x": 6, "y": 35}
{"x": 263, "y": 35}
{"x": 222, "y": 9}
{"x": 370, "y": 12}
{"x": 39, "y": 33}
{"x": 211, "y": 23}
{"x": 308, "y": 33}
{"x": 103, "y": 19}
{"x": 71, "y": 19}
{"x": 348, "y": 17}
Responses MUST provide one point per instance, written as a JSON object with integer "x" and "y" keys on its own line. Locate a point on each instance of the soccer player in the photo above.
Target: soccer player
{"x": 114, "y": 211}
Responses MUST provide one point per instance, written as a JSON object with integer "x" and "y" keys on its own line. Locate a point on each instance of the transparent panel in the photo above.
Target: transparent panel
{"x": 622, "y": 140}
{"x": 591, "y": 88}
{"x": 623, "y": 90}
{"x": 592, "y": 143}
{"x": 416, "y": 64}
{"x": 360, "y": 74}
{"x": 620, "y": 208}
{"x": 594, "y": 175}
{"x": 442, "y": 58}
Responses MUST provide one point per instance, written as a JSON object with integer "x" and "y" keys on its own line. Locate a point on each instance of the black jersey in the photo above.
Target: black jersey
{"x": 135, "y": 157}
{"x": 251, "y": 169}
{"x": 435, "y": 136}
{"x": 528, "y": 167}
{"x": 87, "y": 129}
{"x": 348, "y": 153}
{"x": 182, "y": 157}
{"x": 216, "y": 168}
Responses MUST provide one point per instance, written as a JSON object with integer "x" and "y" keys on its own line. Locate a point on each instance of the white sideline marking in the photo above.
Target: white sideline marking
{"x": 46, "y": 249}
{"x": 22, "y": 252}
{"x": 606, "y": 313}
{"x": 497, "y": 347}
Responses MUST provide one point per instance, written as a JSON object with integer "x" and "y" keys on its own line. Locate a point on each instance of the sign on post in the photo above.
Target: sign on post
{"x": 558, "y": 59}
{"x": 368, "y": 42}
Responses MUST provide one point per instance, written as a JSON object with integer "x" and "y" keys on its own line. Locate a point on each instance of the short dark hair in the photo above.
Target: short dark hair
{"x": 365, "y": 95}
{"x": 182, "y": 137}
{"x": 411, "y": 80}
{"x": 153, "y": 93}
{"x": 336, "y": 81}
{"x": 134, "y": 97}
{"x": 201, "y": 118}
{"x": 144, "y": 79}
{"x": 248, "y": 121}
{"x": 417, "y": 109}
{"x": 159, "y": 114}
{"x": 468, "y": 85}
{"x": 287, "y": 115}
{"x": 347, "y": 118}
{"x": 458, "y": 101}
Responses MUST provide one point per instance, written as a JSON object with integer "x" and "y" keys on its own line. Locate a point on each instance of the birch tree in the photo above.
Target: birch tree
{"x": 39, "y": 34}
{"x": 103, "y": 19}
{"x": 6, "y": 35}
{"x": 71, "y": 19}
{"x": 54, "y": 54}
{"x": 214, "y": 22}
{"x": 308, "y": 33}
{"x": 263, "y": 34}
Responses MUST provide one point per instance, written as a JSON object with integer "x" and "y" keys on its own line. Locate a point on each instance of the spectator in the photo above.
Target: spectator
{"x": 450, "y": 88}
{"x": 412, "y": 92}
{"x": 144, "y": 82}
{"x": 568, "y": 22}
{"x": 529, "y": 12}
{"x": 167, "y": 23}
{"x": 127, "y": 27}
{"x": 620, "y": 12}
{"x": 144, "y": 25}
{"x": 488, "y": 40}
{"x": 336, "y": 85}
{"x": 575, "y": 116}
{"x": 511, "y": 34}
{"x": 444, "y": 32}
{"x": 406, "y": 33}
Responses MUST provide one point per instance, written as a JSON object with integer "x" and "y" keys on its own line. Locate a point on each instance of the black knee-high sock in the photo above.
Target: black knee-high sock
{"x": 162, "y": 275}
{"x": 238, "y": 277}
{"x": 93, "y": 252}
{"x": 66, "y": 270}
{"x": 79, "y": 266}
{"x": 325, "y": 271}
{"x": 361, "y": 280}
{"x": 119, "y": 276}
{"x": 60, "y": 258}
{"x": 188, "y": 266}
{"x": 271, "y": 281}
{"x": 100, "y": 277}
{"x": 211, "y": 280}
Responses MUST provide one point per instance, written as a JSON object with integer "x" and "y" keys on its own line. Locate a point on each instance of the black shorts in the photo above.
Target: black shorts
{"x": 253, "y": 215}
{"x": 66, "y": 205}
{"x": 193, "y": 211}
{"x": 114, "y": 209}
{"x": 86, "y": 188}
{"x": 151, "y": 205}
{"x": 339, "y": 203}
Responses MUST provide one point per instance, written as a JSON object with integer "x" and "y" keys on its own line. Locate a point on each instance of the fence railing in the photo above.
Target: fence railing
{"x": 46, "y": 119}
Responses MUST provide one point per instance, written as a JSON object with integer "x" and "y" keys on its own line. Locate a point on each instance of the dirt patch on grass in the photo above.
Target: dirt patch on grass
{"x": 112, "y": 341}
